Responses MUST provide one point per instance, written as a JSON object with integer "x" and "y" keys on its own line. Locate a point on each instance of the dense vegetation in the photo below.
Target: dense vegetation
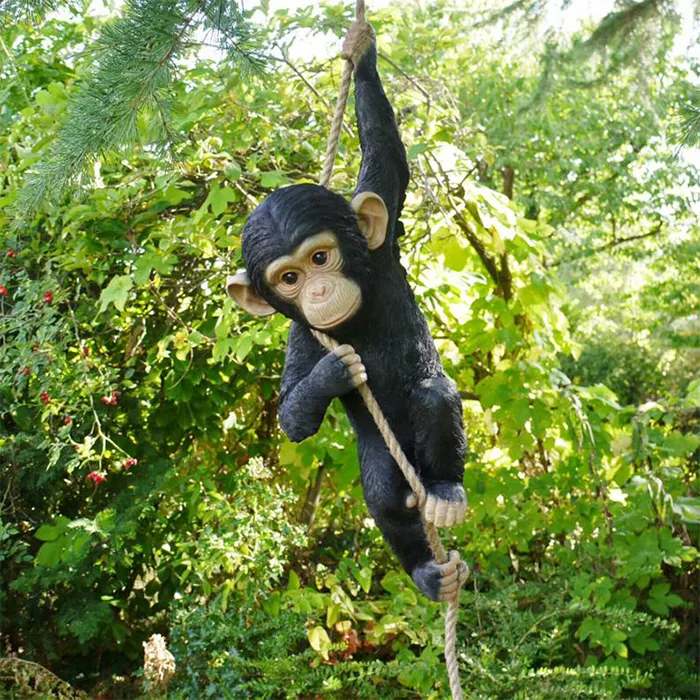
{"x": 554, "y": 246}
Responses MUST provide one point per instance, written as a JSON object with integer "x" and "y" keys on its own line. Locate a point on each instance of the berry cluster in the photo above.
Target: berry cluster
{"x": 111, "y": 400}
{"x": 96, "y": 478}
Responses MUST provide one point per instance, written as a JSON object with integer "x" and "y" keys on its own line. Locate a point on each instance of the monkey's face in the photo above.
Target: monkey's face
{"x": 311, "y": 277}
{"x": 307, "y": 255}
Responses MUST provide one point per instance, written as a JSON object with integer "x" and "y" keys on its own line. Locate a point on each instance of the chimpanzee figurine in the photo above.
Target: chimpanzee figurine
{"x": 334, "y": 266}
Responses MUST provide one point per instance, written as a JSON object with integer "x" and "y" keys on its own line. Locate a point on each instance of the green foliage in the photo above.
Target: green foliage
{"x": 690, "y": 119}
{"x": 146, "y": 485}
{"x": 126, "y": 94}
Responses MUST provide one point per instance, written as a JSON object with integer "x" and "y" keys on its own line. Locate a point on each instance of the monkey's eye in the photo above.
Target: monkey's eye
{"x": 320, "y": 257}
{"x": 289, "y": 278}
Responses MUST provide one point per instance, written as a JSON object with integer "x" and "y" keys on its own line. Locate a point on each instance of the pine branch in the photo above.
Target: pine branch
{"x": 26, "y": 9}
{"x": 618, "y": 40}
{"x": 617, "y": 27}
{"x": 132, "y": 68}
{"x": 689, "y": 131}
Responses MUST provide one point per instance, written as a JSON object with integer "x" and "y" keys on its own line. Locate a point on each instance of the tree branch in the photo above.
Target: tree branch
{"x": 606, "y": 246}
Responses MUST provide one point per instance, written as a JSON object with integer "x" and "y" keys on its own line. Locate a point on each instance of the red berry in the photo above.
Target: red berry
{"x": 45, "y": 397}
{"x": 48, "y": 297}
{"x": 26, "y": 371}
{"x": 3, "y": 291}
{"x": 11, "y": 253}
{"x": 106, "y": 400}
{"x": 96, "y": 478}
{"x": 130, "y": 463}
{"x": 114, "y": 398}
{"x": 86, "y": 351}
{"x": 67, "y": 420}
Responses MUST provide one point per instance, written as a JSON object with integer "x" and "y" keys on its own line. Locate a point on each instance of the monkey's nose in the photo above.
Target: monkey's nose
{"x": 320, "y": 291}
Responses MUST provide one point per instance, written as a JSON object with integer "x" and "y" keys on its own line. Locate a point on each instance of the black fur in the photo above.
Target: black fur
{"x": 389, "y": 332}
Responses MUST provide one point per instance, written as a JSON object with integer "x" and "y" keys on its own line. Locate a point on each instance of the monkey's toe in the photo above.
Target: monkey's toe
{"x": 454, "y": 574}
{"x": 441, "y": 581}
{"x": 448, "y": 508}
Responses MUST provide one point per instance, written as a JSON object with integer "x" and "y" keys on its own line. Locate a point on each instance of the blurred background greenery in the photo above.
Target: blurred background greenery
{"x": 553, "y": 242}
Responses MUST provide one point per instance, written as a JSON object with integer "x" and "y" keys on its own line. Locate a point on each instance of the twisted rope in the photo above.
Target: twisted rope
{"x": 410, "y": 474}
{"x": 337, "y": 123}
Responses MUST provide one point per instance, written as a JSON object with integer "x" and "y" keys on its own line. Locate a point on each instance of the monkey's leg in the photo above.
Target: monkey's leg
{"x": 386, "y": 492}
{"x": 436, "y": 416}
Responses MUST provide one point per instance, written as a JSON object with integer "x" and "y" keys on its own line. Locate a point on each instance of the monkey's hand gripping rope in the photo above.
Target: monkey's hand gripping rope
{"x": 359, "y": 37}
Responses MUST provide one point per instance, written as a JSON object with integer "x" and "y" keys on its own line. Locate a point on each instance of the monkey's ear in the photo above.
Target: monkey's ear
{"x": 373, "y": 216}
{"x": 239, "y": 288}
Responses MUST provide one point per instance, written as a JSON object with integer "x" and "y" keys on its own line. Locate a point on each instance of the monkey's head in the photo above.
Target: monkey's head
{"x": 306, "y": 252}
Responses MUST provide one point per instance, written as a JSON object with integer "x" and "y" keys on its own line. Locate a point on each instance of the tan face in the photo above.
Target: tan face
{"x": 311, "y": 277}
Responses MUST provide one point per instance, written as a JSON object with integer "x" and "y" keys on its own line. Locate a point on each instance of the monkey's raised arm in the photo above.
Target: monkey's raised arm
{"x": 384, "y": 168}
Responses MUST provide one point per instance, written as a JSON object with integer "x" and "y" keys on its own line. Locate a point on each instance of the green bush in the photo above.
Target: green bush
{"x": 146, "y": 486}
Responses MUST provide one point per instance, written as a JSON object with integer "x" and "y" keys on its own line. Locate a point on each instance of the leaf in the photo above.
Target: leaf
{"x": 116, "y": 292}
{"x": 493, "y": 391}
{"x": 221, "y": 348}
{"x": 173, "y": 195}
{"x": 407, "y": 596}
{"x": 47, "y": 533}
{"x": 218, "y": 199}
{"x": 417, "y": 148}
{"x": 392, "y": 582}
{"x": 294, "y": 583}
{"x": 450, "y": 246}
{"x": 658, "y": 606}
{"x": 273, "y": 179}
{"x": 678, "y": 445}
{"x": 232, "y": 171}
{"x": 519, "y": 412}
{"x": 332, "y": 615}
{"x": 620, "y": 650}
{"x": 153, "y": 260}
{"x": 245, "y": 345}
{"x": 688, "y": 508}
{"x": 49, "y": 553}
{"x": 364, "y": 578}
{"x": 590, "y": 627}
{"x": 272, "y": 604}
{"x": 319, "y": 640}
{"x": 659, "y": 590}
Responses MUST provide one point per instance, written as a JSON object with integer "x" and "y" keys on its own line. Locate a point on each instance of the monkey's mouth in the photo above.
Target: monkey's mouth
{"x": 325, "y": 316}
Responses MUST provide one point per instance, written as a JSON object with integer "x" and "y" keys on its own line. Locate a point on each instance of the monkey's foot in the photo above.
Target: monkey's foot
{"x": 446, "y": 504}
{"x": 441, "y": 581}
